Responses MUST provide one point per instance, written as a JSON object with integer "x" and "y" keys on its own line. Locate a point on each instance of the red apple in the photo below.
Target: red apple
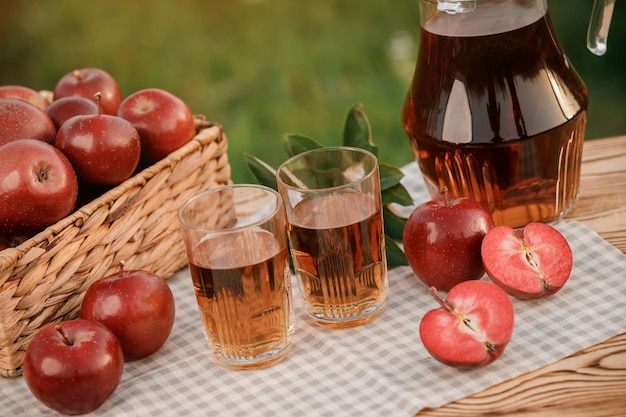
{"x": 38, "y": 186}
{"x": 24, "y": 93}
{"x": 138, "y": 306}
{"x": 164, "y": 121}
{"x": 67, "y": 107}
{"x": 88, "y": 81}
{"x": 530, "y": 263}
{"x": 73, "y": 367}
{"x": 22, "y": 120}
{"x": 472, "y": 326}
{"x": 103, "y": 149}
{"x": 442, "y": 239}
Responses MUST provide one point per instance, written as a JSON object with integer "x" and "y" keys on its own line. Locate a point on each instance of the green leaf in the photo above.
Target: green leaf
{"x": 395, "y": 255}
{"x": 295, "y": 144}
{"x": 264, "y": 173}
{"x": 389, "y": 175}
{"x": 394, "y": 224}
{"x": 397, "y": 194}
{"x": 357, "y": 131}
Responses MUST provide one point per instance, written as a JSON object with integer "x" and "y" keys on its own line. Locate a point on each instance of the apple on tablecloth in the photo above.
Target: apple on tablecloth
{"x": 533, "y": 262}
{"x": 74, "y": 366}
{"x": 472, "y": 326}
{"x": 138, "y": 306}
{"x": 442, "y": 239}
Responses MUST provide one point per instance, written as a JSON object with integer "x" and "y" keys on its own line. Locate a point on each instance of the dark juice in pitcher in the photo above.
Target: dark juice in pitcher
{"x": 496, "y": 112}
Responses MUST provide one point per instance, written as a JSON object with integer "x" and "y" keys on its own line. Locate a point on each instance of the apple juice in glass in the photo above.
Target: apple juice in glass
{"x": 334, "y": 212}
{"x": 237, "y": 250}
{"x": 495, "y": 110}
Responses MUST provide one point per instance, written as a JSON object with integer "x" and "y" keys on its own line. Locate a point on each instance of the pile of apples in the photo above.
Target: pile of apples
{"x": 74, "y": 366}
{"x": 450, "y": 243}
{"x": 84, "y": 138}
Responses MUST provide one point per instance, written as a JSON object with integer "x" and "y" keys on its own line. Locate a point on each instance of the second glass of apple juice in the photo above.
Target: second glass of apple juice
{"x": 334, "y": 213}
{"x": 236, "y": 242}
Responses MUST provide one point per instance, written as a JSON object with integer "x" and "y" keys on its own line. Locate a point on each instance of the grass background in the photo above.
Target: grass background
{"x": 263, "y": 68}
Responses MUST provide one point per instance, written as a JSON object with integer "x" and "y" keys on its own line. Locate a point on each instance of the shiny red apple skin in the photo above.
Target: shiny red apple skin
{"x": 442, "y": 239}
{"x": 22, "y": 120}
{"x": 86, "y": 82}
{"x": 137, "y": 305}
{"x": 38, "y": 186}
{"x": 74, "y": 366}
{"x": 164, "y": 121}
{"x": 63, "y": 109}
{"x": 480, "y": 305}
{"x": 530, "y": 263}
{"x": 103, "y": 149}
{"x": 24, "y": 93}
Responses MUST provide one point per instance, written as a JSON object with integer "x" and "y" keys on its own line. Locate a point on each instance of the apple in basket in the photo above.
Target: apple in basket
{"x": 74, "y": 366}
{"x": 22, "y": 120}
{"x": 86, "y": 82}
{"x": 38, "y": 186}
{"x": 65, "y": 108}
{"x": 164, "y": 121}
{"x": 471, "y": 327}
{"x": 138, "y": 306}
{"x": 24, "y": 93}
{"x": 103, "y": 149}
{"x": 533, "y": 262}
{"x": 442, "y": 239}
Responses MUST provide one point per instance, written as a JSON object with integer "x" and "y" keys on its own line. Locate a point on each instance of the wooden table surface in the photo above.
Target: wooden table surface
{"x": 591, "y": 382}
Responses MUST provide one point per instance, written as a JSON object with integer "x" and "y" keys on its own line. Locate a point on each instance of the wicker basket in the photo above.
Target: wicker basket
{"x": 44, "y": 279}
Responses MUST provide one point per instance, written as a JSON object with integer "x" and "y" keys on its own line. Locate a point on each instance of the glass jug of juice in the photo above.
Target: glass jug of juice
{"x": 495, "y": 110}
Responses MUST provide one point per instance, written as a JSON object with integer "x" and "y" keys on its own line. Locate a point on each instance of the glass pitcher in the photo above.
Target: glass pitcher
{"x": 495, "y": 110}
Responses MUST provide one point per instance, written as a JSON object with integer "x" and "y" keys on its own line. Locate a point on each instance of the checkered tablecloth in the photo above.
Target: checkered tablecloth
{"x": 377, "y": 369}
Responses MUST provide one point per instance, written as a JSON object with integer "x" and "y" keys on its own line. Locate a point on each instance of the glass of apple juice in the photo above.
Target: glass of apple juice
{"x": 236, "y": 244}
{"x": 333, "y": 203}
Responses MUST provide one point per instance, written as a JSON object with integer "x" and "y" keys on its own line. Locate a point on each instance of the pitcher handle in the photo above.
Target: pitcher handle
{"x": 599, "y": 26}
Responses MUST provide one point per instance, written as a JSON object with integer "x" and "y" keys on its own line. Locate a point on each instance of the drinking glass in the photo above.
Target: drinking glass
{"x": 334, "y": 214}
{"x": 236, "y": 244}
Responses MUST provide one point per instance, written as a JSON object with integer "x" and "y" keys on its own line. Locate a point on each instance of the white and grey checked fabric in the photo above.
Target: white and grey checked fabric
{"x": 377, "y": 369}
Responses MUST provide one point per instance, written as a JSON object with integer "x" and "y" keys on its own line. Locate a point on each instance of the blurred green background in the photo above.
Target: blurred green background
{"x": 263, "y": 68}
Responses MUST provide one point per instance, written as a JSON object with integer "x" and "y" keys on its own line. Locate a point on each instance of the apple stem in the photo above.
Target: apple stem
{"x": 98, "y": 98}
{"x": 66, "y": 340}
{"x": 444, "y": 193}
{"x": 446, "y": 306}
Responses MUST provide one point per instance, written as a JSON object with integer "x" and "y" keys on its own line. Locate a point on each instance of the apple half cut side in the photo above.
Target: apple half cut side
{"x": 529, "y": 263}
{"x": 471, "y": 328}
